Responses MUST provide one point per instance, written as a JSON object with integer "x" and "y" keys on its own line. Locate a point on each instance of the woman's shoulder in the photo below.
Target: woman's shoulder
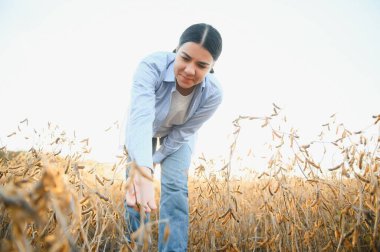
{"x": 160, "y": 58}
{"x": 155, "y": 65}
{"x": 213, "y": 84}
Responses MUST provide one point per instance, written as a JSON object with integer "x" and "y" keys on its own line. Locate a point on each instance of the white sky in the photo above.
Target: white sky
{"x": 71, "y": 63}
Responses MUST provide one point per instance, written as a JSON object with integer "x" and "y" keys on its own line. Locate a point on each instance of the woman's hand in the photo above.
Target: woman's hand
{"x": 141, "y": 192}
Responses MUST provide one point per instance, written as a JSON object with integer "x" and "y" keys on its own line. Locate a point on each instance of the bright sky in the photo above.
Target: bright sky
{"x": 71, "y": 63}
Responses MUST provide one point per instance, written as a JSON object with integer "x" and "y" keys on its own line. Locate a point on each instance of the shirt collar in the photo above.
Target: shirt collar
{"x": 169, "y": 76}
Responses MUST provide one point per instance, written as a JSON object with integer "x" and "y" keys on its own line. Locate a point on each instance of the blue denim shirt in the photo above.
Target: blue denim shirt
{"x": 153, "y": 84}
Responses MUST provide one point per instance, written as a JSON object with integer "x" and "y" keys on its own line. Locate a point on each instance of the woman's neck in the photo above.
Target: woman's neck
{"x": 184, "y": 91}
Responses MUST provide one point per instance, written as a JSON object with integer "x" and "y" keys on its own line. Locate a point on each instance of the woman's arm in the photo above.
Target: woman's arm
{"x": 139, "y": 128}
{"x": 139, "y": 132}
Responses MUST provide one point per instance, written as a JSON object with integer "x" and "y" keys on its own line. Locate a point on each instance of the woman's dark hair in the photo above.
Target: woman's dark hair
{"x": 205, "y": 35}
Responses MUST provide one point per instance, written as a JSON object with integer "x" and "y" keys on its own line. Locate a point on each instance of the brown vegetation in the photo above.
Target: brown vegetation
{"x": 54, "y": 203}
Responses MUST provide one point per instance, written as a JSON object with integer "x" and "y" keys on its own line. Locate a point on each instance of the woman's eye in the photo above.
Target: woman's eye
{"x": 185, "y": 59}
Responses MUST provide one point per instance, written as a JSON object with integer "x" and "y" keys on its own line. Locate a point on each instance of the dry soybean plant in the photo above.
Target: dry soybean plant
{"x": 300, "y": 201}
{"x": 324, "y": 208}
{"x": 54, "y": 203}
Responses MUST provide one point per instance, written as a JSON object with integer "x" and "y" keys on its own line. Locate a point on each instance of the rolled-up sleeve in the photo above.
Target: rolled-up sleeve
{"x": 139, "y": 128}
{"x": 180, "y": 134}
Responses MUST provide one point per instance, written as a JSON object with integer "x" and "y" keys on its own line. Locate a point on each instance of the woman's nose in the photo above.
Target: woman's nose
{"x": 189, "y": 69}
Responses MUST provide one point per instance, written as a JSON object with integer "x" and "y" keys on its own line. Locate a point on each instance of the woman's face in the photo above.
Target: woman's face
{"x": 191, "y": 65}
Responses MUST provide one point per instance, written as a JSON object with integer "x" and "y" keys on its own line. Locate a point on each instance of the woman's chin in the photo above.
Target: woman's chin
{"x": 186, "y": 85}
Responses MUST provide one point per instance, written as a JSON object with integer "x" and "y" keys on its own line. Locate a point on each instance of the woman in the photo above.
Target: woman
{"x": 173, "y": 94}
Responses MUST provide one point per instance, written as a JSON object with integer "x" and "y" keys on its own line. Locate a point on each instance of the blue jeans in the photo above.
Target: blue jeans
{"x": 174, "y": 205}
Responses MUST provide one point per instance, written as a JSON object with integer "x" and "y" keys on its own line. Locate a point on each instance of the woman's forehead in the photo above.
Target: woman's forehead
{"x": 196, "y": 51}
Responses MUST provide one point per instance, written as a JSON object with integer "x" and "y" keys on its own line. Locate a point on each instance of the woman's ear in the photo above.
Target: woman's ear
{"x": 212, "y": 67}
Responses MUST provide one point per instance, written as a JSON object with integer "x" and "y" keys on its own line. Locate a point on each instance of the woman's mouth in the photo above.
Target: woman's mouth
{"x": 186, "y": 78}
